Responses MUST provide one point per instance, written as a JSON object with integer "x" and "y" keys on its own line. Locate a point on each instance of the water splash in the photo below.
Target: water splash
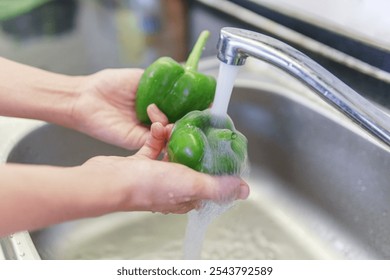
{"x": 198, "y": 222}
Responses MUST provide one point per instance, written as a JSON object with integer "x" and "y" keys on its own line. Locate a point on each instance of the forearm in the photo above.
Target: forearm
{"x": 37, "y": 196}
{"x": 30, "y": 92}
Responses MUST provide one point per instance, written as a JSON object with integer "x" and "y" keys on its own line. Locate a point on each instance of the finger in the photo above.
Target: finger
{"x": 244, "y": 190}
{"x": 156, "y": 115}
{"x": 168, "y": 130}
{"x": 136, "y": 139}
{"x": 186, "y": 207}
{"x": 154, "y": 143}
{"x": 227, "y": 188}
{"x": 165, "y": 157}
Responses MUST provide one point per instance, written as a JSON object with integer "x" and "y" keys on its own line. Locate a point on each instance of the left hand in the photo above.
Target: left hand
{"x": 105, "y": 108}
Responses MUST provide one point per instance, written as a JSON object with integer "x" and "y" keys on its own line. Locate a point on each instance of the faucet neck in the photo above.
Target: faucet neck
{"x": 235, "y": 45}
{"x": 228, "y": 47}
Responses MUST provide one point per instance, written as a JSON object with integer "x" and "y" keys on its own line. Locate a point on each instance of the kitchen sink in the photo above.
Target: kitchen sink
{"x": 319, "y": 188}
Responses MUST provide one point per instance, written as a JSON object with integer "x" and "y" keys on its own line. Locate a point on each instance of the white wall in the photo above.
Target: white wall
{"x": 365, "y": 20}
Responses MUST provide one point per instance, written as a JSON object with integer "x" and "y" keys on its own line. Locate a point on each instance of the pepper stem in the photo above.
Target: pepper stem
{"x": 193, "y": 58}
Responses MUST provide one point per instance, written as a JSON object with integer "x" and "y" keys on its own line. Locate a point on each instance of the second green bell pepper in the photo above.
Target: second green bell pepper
{"x": 176, "y": 90}
{"x": 208, "y": 144}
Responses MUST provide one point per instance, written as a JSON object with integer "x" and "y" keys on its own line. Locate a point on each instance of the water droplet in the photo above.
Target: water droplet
{"x": 198, "y": 222}
{"x": 22, "y": 254}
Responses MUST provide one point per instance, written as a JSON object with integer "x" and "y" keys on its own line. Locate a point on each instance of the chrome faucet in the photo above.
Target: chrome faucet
{"x": 235, "y": 45}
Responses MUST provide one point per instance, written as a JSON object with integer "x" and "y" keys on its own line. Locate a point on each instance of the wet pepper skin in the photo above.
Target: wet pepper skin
{"x": 174, "y": 88}
{"x": 208, "y": 144}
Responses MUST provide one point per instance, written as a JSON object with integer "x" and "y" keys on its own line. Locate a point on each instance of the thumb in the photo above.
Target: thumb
{"x": 156, "y": 115}
{"x": 154, "y": 143}
{"x": 228, "y": 188}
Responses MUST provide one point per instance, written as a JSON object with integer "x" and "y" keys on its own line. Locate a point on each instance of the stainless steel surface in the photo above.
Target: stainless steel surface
{"x": 18, "y": 246}
{"x": 319, "y": 186}
{"x": 235, "y": 45}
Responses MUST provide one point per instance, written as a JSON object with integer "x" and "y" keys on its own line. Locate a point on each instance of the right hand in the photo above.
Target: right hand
{"x": 143, "y": 183}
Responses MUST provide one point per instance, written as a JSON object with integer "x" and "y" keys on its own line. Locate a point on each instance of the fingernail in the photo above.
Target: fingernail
{"x": 244, "y": 191}
{"x": 157, "y": 124}
{"x": 151, "y": 107}
{"x": 154, "y": 107}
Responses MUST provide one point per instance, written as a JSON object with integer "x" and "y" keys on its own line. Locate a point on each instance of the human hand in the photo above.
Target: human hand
{"x": 105, "y": 108}
{"x": 141, "y": 183}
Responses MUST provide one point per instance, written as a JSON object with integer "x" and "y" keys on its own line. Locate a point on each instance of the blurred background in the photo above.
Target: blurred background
{"x": 350, "y": 38}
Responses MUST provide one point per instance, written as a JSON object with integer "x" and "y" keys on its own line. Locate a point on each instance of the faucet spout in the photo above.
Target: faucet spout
{"x": 235, "y": 45}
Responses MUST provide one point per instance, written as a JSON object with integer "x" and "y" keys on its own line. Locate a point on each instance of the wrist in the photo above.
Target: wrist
{"x": 103, "y": 188}
{"x": 59, "y": 96}
{"x": 29, "y": 92}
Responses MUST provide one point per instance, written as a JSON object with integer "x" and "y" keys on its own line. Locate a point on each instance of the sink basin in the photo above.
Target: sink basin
{"x": 319, "y": 190}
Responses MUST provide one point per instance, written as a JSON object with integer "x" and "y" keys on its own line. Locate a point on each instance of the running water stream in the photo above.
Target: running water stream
{"x": 226, "y": 76}
{"x": 199, "y": 220}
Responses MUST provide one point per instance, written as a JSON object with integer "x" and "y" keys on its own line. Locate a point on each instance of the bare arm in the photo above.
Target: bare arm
{"x": 36, "y": 196}
{"x": 30, "y": 92}
{"x": 100, "y": 105}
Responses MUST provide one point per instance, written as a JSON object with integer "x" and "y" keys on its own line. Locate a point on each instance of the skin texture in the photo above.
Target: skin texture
{"x": 100, "y": 105}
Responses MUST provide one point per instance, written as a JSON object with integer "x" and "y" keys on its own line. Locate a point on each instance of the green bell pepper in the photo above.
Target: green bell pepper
{"x": 208, "y": 144}
{"x": 176, "y": 90}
